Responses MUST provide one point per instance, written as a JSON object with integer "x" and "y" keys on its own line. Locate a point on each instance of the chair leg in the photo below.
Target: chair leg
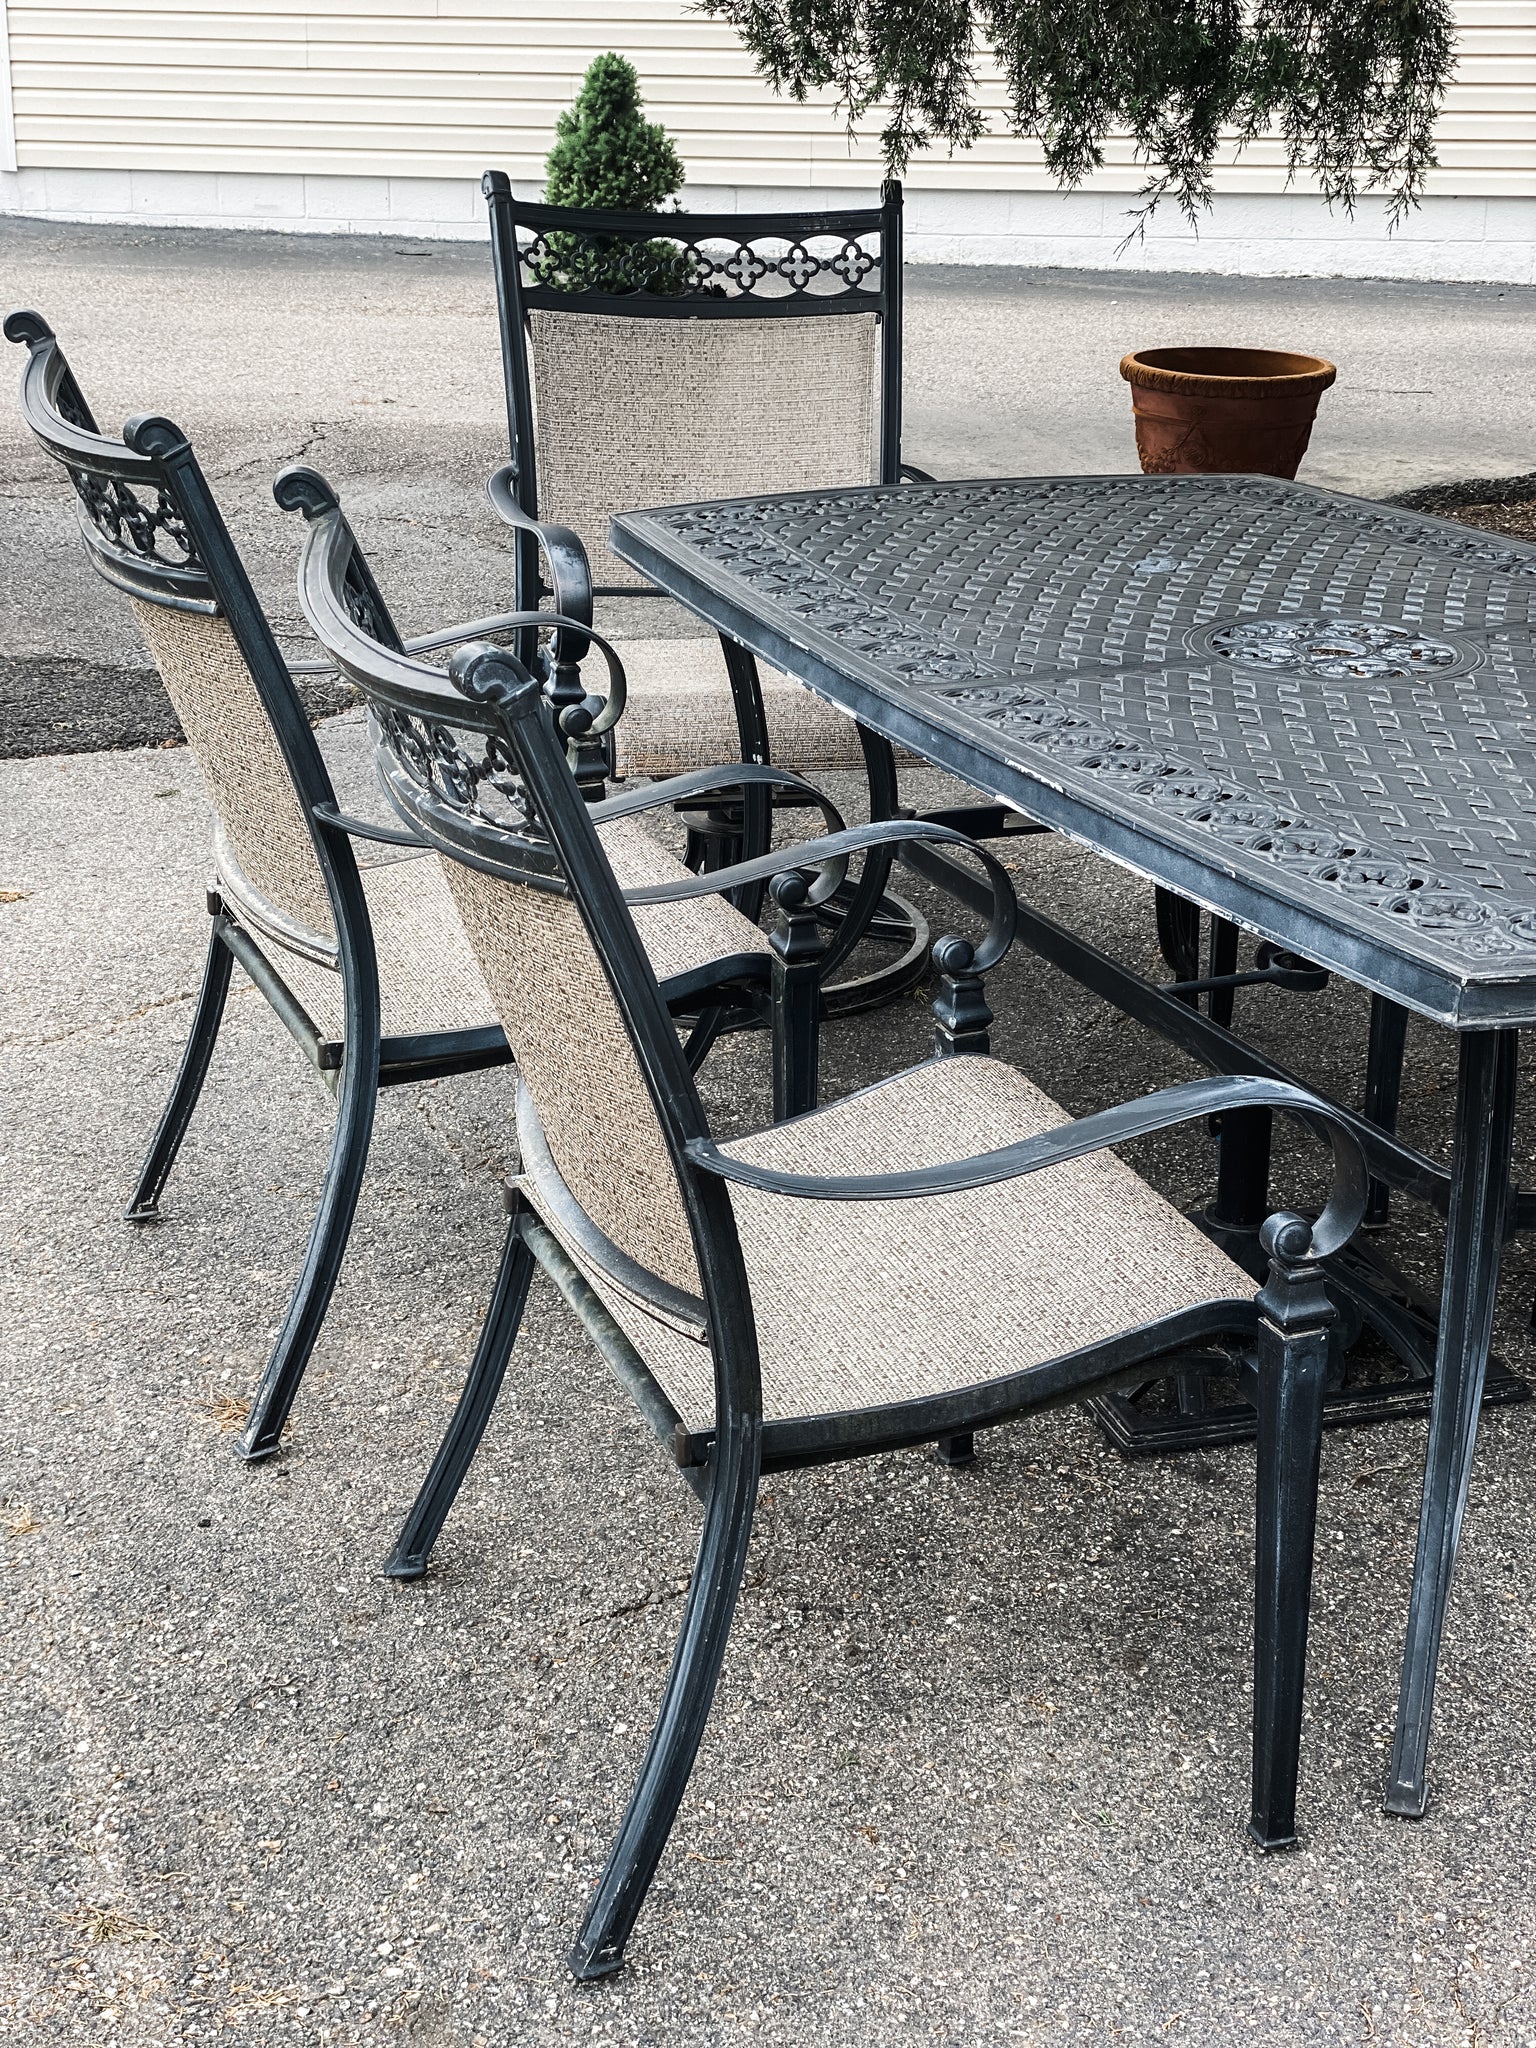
{"x": 1178, "y": 938}
{"x": 956, "y": 1451}
{"x": 327, "y": 1245}
{"x": 706, "y": 1626}
{"x": 413, "y": 1546}
{"x": 1474, "y": 1238}
{"x": 144, "y": 1206}
{"x": 1383, "y": 1087}
{"x": 1224, "y": 941}
{"x": 795, "y": 1000}
{"x": 1293, "y": 1377}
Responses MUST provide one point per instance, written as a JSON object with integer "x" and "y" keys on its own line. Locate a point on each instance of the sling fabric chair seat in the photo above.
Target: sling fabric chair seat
{"x": 680, "y": 714}
{"x": 429, "y": 980}
{"x": 861, "y": 1305}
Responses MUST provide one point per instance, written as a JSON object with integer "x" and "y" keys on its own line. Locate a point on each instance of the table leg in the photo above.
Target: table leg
{"x": 1485, "y": 1111}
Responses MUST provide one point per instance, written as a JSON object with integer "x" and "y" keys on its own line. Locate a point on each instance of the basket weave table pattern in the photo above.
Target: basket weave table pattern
{"x": 1311, "y": 713}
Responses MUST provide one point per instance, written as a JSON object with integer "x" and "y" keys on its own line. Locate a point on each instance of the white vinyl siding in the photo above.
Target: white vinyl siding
{"x": 441, "y": 88}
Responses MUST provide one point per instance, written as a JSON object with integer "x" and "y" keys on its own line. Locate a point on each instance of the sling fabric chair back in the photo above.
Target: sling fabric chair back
{"x": 151, "y": 529}
{"x": 662, "y": 359}
{"x": 657, "y": 359}
{"x": 566, "y": 1031}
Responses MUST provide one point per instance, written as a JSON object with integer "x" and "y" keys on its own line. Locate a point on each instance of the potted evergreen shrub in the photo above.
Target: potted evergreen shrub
{"x": 608, "y": 157}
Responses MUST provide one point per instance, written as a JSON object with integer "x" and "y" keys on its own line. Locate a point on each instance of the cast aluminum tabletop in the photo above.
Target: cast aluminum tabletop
{"x": 1312, "y": 714}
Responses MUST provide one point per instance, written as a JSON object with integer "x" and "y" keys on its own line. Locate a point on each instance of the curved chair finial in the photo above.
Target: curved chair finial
{"x": 26, "y": 326}
{"x": 298, "y": 489}
{"x": 150, "y": 433}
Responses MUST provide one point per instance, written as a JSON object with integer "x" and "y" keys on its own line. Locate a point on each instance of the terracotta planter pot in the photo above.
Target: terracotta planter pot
{"x": 1220, "y": 410}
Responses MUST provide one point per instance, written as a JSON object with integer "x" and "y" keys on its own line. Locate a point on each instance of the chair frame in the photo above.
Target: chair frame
{"x": 152, "y": 528}
{"x": 553, "y": 846}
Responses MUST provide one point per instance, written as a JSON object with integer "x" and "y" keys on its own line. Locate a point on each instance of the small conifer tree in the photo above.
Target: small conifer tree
{"x": 607, "y": 155}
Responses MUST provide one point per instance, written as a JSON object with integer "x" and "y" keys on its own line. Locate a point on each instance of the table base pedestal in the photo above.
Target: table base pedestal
{"x": 1184, "y": 1411}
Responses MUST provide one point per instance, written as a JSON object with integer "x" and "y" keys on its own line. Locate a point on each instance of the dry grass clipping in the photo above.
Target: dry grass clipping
{"x": 226, "y": 1411}
{"x": 109, "y": 1923}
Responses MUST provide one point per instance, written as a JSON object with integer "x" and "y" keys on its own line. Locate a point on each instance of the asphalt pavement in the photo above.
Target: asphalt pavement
{"x": 977, "y": 1770}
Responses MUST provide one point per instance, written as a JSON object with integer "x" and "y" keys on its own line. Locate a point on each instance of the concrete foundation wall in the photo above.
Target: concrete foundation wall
{"x": 1472, "y": 239}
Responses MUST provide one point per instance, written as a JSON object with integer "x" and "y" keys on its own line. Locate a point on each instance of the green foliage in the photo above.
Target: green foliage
{"x": 607, "y": 155}
{"x": 1352, "y": 86}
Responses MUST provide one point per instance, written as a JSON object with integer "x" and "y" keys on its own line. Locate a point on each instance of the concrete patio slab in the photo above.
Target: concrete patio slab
{"x": 977, "y": 1770}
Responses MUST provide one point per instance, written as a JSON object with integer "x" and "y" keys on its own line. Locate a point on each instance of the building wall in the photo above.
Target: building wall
{"x": 378, "y": 115}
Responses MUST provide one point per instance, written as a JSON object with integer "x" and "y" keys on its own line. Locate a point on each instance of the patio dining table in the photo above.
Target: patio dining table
{"x": 1313, "y": 715}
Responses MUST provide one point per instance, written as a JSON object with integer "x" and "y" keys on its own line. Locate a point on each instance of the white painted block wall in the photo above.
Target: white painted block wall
{"x": 377, "y": 116}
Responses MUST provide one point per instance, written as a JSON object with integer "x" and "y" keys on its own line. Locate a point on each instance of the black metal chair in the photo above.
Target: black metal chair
{"x": 762, "y": 352}
{"x": 770, "y": 359}
{"x": 367, "y": 967}
{"x": 939, "y": 1253}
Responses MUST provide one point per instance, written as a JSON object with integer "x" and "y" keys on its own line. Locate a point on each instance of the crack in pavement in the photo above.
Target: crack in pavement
{"x": 112, "y": 1024}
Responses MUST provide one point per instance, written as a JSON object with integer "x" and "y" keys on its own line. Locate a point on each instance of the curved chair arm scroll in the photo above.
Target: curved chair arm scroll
{"x": 911, "y": 474}
{"x": 604, "y": 712}
{"x": 1191, "y": 1101}
{"x": 570, "y": 575}
{"x": 832, "y": 854}
{"x": 697, "y": 782}
{"x": 503, "y": 622}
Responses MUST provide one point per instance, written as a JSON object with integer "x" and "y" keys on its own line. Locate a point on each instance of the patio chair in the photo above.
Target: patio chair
{"x": 768, "y": 360}
{"x": 939, "y": 1253}
{"x": 368, "y": 967}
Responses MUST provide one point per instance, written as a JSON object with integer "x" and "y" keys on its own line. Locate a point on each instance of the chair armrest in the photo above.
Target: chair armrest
{"x": 570, "y": 574}
{"x": 1190, "y": 1102}
{"x": 602, "y": 712}
{"x": 476, "y": 629}
{"x": 694, "y": 782}
{"x": 831, "y": 853}
{"x": 364, "y": 828}
{"x": 911, "y": 474}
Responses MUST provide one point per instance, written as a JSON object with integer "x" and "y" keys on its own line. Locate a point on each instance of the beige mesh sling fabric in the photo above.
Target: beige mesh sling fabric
{"x": 637, "y": 412}
{"x": 860, "y": 1305}
{"x": 266, "y": 845}
{"x": 657, "y": 359}
{"x": 266, "y": 863}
